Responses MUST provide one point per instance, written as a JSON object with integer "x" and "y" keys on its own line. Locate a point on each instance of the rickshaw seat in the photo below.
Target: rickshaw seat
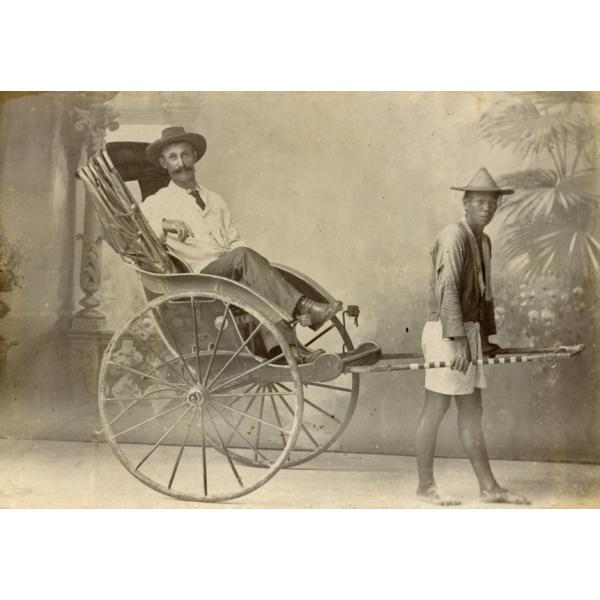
{"x": 129, "y": 158}
{"x": 124, "y": 226}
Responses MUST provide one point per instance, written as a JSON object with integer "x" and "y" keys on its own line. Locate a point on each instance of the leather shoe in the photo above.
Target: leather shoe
{"x": 313, "y": 314}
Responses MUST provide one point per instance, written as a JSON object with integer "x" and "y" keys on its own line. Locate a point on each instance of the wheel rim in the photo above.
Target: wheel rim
{"x": 172, "y": 391}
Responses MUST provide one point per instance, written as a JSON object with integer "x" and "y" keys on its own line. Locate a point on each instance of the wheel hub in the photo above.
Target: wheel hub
{"x": 198, "y": 395}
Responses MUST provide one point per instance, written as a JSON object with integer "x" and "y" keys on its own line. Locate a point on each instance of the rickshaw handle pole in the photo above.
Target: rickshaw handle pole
{"x": 555, "y": 354}
{"x": 571, "y": 350}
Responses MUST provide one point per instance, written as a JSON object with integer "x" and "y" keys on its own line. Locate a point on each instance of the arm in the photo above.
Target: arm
{"x": 449, "y": 264}
{"x": 231, "y": 234}
{"x": 179, "y": 228}
{"x": 154, "y": 216}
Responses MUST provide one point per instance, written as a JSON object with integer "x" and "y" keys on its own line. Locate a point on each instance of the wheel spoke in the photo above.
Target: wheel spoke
{"x": 182, "y": 447}
{"x": 161, "y": 438}
{"x": 164, "y": 363}
{"x": 259, "y": 426}
{"x": 175, "y": 344}
{"x": 135, "y": 401}
{"x": 235, "y": 431}
{"x": 234, "y": 356}
{"x": 315, "y": 406}
{"x": 127, "y": 408}
{"x": 319, "y": 335}
{"x": 250, "y": 387}
{"x": 224, "y": 448}
{"x": 304, "y": 428}
{"x": 247, "y": 372}
{"x": 256, "y": 394}
{"x": 169, "y": 362}
{"x": 251, "y": 416}
{"x": 196, "y": 338}
{"x": 247, "y": 407}
{"x": 174, "y": 386}
{"x": 182, "y": 375}
{"x": 250, "y": 403}
{"x": 238, "y": 396}
{"x": 162, "y": 414}
{"x": 204, "y": 472}
{"x": 147, "y": 396}
{"x": 217, "y": 342}
{"x": 278, "y": 418}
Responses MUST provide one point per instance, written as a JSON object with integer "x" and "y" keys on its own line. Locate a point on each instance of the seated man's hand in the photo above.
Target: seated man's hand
{"x": 462, "y": 357}
{"x": 179, "y": 228}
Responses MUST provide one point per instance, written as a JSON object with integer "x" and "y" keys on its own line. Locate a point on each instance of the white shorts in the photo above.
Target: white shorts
{"x": 437, "y": 349}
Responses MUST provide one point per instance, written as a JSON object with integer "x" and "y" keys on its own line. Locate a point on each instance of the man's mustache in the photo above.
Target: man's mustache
{"x": 181, "y": 169}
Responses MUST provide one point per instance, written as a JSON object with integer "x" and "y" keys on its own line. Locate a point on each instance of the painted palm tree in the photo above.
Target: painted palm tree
{"x": 10, "y": 259}
{"x": 548, "y": 224}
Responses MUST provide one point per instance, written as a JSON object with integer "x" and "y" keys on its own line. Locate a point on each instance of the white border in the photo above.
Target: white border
{"x": 298, "y": 554}
{"x": 308, "y": 45}
{"x": 313, "y": 45}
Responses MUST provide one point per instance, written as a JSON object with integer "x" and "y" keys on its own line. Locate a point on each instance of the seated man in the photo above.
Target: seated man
{"x": 197, "y": 227}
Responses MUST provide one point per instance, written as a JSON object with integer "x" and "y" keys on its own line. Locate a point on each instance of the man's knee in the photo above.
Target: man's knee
{"x": 240, "y": 251}
{"x": 469, "y": 408}
{"x": 436, "y": 405}
{"x": 243, "y": 253}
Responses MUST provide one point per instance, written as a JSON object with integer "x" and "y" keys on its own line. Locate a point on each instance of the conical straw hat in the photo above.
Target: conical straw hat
{"x": 483, "y": 182}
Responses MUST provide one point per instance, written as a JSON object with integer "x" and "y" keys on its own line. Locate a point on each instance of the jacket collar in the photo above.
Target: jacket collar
{"x": 174, "y": 189}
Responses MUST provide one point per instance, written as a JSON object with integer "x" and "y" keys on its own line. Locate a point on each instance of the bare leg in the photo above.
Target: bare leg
{"x": 434, "y": 409}
{"x": 471, "y": 435}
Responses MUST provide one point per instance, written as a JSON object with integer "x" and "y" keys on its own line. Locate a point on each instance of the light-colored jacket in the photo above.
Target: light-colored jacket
{"x": 215, "y": 232}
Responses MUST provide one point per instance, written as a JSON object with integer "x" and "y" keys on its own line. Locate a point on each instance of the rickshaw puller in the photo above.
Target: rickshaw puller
{"x": 460, "y": 319}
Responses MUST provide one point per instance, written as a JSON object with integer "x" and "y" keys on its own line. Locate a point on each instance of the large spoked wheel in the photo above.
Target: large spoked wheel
{"x": 176, "y": 389}
{"x": 328, "y": 406}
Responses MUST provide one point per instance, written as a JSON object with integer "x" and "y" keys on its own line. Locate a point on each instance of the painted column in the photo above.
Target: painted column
{"x": 92, "y": 118}
{"x": 88, "y": 336}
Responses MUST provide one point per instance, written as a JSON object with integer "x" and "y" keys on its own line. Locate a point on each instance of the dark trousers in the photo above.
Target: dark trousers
{"x": 250, "y": 268}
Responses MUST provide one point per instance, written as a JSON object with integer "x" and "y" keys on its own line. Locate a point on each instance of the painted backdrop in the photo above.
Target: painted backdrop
{"x": 350, "y": 188}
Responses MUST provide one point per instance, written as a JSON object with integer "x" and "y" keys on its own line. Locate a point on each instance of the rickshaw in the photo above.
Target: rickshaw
{"x": 189, "y": 400}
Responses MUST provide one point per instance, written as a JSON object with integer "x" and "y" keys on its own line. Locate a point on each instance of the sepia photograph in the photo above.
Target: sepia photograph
{"x": 299, "y": 300}
{"x": 294, "y": 299}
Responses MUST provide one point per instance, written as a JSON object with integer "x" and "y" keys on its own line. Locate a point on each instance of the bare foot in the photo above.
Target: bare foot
{"x": 431, "y": 496}
{"x": 502, "y": 496}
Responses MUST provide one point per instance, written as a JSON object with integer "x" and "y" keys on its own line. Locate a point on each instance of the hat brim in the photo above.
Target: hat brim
{"x": 195, "y": 139}
{"x": 499, "y": 191}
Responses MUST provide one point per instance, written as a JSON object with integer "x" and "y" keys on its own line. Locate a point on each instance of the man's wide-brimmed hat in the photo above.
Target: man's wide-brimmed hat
{"x": 171, "y": 135}
{"x": 483, "y": 182}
